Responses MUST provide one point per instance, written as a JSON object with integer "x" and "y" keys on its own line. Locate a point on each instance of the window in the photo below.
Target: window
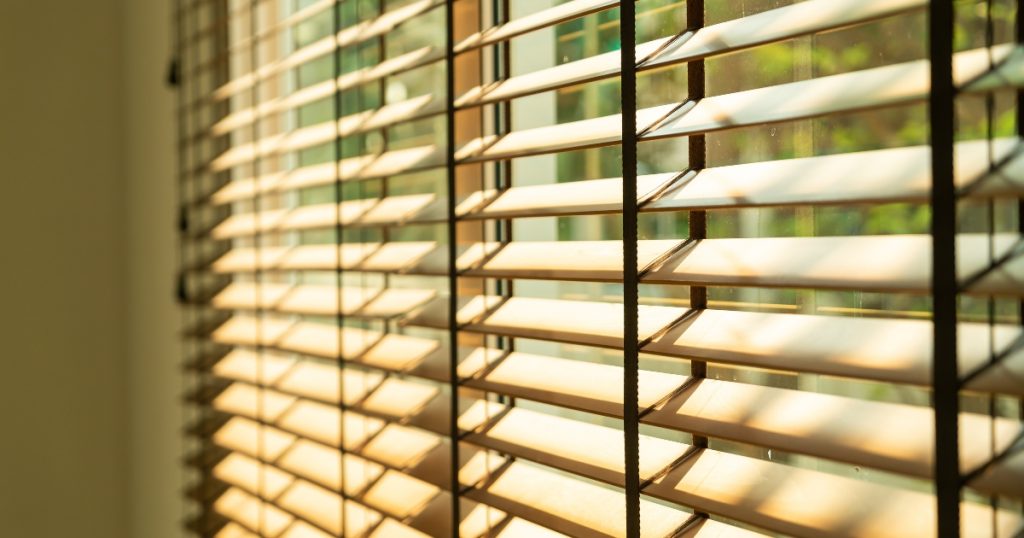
{"x": 790, "y": 184}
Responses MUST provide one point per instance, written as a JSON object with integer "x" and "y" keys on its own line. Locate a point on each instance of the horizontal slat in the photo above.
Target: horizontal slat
{"x": 277, "y": 27}
{"x": 895, "y": 175}
{"x": 350, "y": 169}
{"x": 249, "y": 437}
{"x": 301, "y": 529}
{"x": 384, "y": 23}
{"x": 307, "y": 137}
{"x": 1004, "y": 477}
{"x": 884, "y": 86}
{"x": 309, "y": 459}
{"x": 870, "y": 88}
{"x": 268, "y": 69}
{"x": 766, "y": 27}
{"x": 891, "y": 85}
{"x": 1007, "y": 72}
{"x": 248, "y": 510}
{"x": 241, "y": 365}
{"x": 774, "y": 496}
{"x": 234, "y": 530}
{"x": 602, "y": 131}
{"x": 808, "y": 503}
{"x": 428, "y": 258}
{"x": 388, "y": 491}
{"x": 572, "y": 450}
{"x": 892, "y": 437}
{"x": 322, "y": 300}
{"x": 879, "y": 176}
{"x": 424, "y": 358}
{"x": 392, "y": 210}
{"x": 391, "y": 399}
{"x": 889, "y": 175}
{"x": 391, "y": 66}
{"x": 383, "y": 117}
{"x": 893, "y": 263}
{"x": 569, "y": 506}
{"x": 322, "y": 464}
{"x": 349, "y": 36}
{"x": 571, "y": 515}
{"x": 267, "y": 107}
{"x": 1003, "y": 377}
{"x": 390, "y": 352}
{"x": 311, "y": 338}
{"x": 249, "y": 474}
{"x": 892, "y": 350}
{"x": 398, "y": 447}
{"x": 546, "y": 17}
{"x": 324, "y": 508}
{"x": 897, "y": 263}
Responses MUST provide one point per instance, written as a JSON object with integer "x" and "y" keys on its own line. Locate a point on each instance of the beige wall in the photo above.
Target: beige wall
{"x": 89, "y": 381}
{"x": 152, "y": 321}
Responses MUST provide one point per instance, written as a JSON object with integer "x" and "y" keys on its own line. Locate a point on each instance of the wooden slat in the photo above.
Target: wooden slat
{"x": 890, "y": 85}
{"x": 237, "y": 505}
{"x": 301, "y": 529}
{"x": 886, "y": 436}
{"x": 265, "y": 367}
{"x": 390, "y": 352}
{"x": 1005, "y": 477}
{"x": 322, "y": 464}
{"x": 394, "y": 210}
{"x": 347, "y": 37}
{"x": 893, "y": 263}
{"x": 278, "y": 144}
{"x": 602, "y": 131}
{"x": 249, "y": 474}
{"x": 870, "y": 88}
{"x": 891, "y": 350}
{"x": 730, "y": 36}
{"x": 324, "y": 508}
{"x": 322, "y": 300}
{"x": 479, "y": 518}
{"x": 547, "y": 17}
{"x": 567, "y": 505}
{"x": 234, "y": 530}
{"x": 248, "y": 437}
{"x": 573, "y": 449}
{"x": 771, "y": 495}
{"x": 384, "y": 23}
{"x": 802, "y": 502}
{"x": 879, "y": 176}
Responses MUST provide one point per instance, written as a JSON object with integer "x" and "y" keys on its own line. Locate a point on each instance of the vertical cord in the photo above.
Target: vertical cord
{"x": 339, "y": 266}
{"x": 698, "y": 226}
{"x": 945, "y": 382}
{"x": 630, "y": 284}
{"x": 453, "y": 279}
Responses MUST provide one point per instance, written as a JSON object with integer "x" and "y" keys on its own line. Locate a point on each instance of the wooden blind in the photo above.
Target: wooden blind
{"x": 659, "y": 268}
